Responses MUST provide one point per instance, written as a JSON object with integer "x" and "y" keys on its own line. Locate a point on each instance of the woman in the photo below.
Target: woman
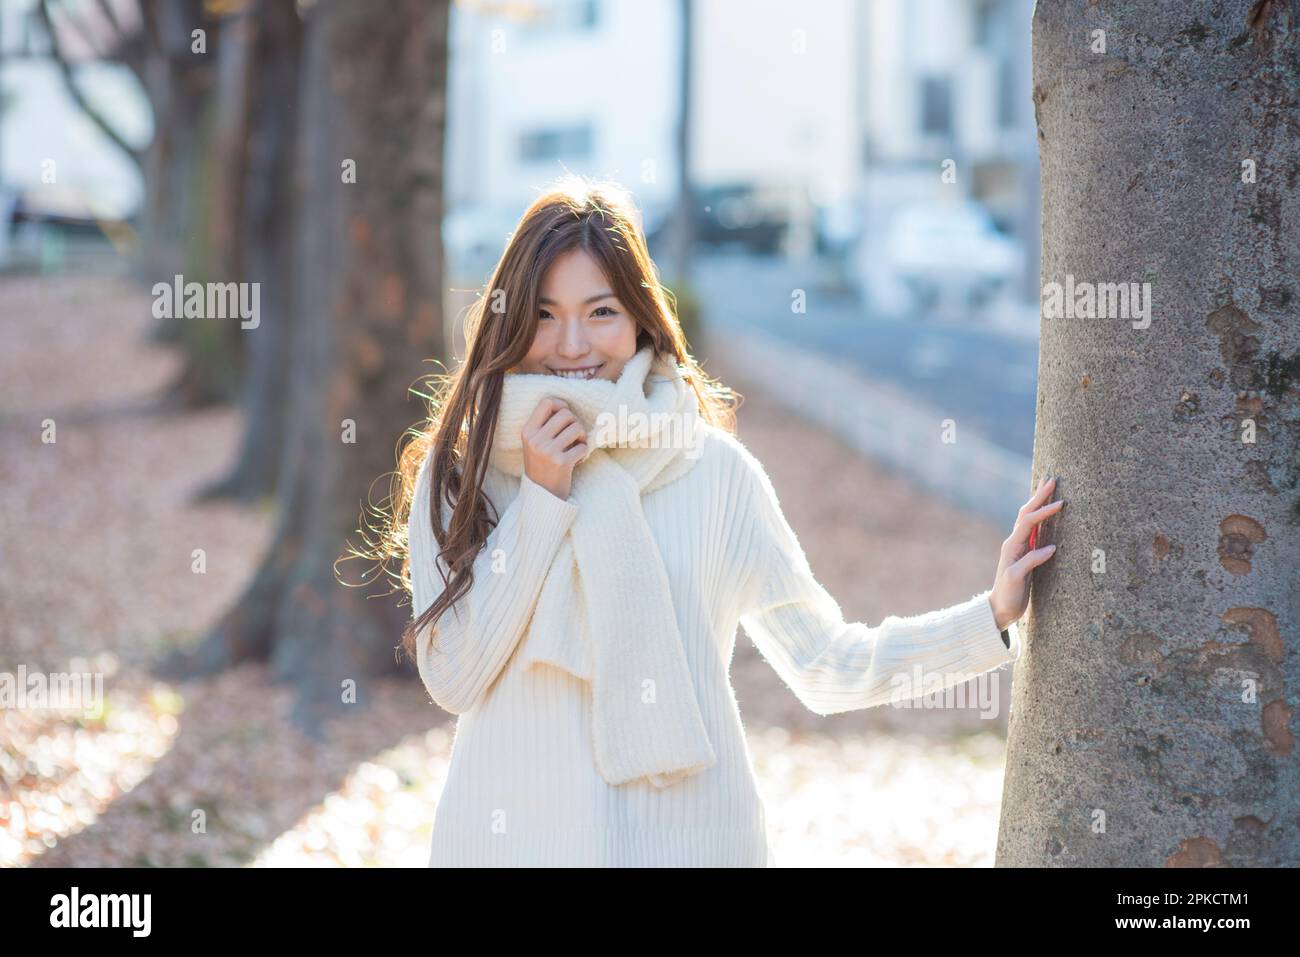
{"x": 583, "y": 633}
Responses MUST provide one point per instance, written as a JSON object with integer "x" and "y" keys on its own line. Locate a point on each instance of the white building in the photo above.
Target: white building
{"x": 821, "y": 102}
{"x": 594, "y": 87}
{"x": 585, "y": 87}
{"x": 949, "y": 80}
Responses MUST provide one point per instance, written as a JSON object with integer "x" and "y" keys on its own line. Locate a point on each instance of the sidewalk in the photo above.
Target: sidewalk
{"x": 884, "y": 424}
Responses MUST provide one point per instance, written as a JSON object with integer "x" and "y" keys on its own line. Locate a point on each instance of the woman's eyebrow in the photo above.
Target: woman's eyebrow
{"x": 587, "y": 301}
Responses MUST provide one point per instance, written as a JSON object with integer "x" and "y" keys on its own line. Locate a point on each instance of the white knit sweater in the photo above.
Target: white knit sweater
{"x": 523, "y": 789}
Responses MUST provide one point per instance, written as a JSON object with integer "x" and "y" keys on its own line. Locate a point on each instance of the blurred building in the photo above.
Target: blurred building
{"x": 822, "y": 127}
{"x": 814, "y": 126}
{"x": 593, "y": 86}
{"x": 946, "y": 87}
{"x": 538, "y": 88}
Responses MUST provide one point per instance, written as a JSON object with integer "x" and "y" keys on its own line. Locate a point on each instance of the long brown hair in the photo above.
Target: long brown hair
{"x": 574, "y": 213}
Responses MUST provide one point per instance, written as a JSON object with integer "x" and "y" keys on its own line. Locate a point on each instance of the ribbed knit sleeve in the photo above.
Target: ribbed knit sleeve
{"x": 833, "y": 665}
{"x": 475, "y": 637}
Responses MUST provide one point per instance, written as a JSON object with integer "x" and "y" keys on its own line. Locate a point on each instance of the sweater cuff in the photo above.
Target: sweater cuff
{"x": 545, "y": 511}
{"x": 977, "y": 634}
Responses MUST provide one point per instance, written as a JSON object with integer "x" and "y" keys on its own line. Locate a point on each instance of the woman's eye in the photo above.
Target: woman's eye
{"x": 543, "y": 314}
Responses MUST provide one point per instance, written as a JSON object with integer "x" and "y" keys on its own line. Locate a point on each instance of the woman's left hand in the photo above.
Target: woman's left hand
{"x": 1010, "y": 595}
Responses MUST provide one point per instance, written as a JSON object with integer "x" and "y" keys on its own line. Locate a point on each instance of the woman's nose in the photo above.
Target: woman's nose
{"x": 573, "y": 344}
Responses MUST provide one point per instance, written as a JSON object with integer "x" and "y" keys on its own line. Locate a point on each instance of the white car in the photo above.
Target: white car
{"x": 950, "y": 257}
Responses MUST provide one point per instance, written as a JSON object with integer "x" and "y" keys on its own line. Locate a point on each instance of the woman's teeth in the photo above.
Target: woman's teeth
{"x": 579, "y": 374}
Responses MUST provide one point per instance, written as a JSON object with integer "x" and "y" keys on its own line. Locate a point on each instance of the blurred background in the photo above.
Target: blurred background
{"x": 842, "y": 195}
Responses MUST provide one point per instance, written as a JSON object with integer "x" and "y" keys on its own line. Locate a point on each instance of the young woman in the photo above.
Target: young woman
{"x": 583, "y": 631}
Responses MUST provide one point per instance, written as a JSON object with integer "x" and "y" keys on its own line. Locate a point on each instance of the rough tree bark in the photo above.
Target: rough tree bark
{"x": 368, "y": 310}
{"x": 1152, "y": 713}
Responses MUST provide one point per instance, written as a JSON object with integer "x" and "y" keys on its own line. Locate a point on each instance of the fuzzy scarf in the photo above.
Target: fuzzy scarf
{"x": 605, "y": 612}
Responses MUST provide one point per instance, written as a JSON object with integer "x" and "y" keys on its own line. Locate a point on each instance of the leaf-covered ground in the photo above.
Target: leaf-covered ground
{"x": 96, "y": 575}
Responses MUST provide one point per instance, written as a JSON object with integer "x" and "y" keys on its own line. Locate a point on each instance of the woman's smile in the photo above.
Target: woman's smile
{"x": 579, "y": 372}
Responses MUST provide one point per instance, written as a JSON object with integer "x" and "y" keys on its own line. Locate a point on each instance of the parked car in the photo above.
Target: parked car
{"x": 735, "y": 215}
{"x": 950, "y": 258}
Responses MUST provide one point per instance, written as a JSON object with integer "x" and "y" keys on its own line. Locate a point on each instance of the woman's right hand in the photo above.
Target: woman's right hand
{"x": 554, "y": 441}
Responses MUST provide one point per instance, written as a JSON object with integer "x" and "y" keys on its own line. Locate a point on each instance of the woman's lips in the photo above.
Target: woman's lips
{"x": 584, "y": 373}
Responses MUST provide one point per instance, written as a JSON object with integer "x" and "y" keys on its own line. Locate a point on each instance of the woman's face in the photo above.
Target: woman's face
{"x": 582, "y": 328}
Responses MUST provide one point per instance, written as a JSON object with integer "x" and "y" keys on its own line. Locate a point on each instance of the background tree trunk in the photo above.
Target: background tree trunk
{"x": 227, "y": 163}
{"x": 205, "y": 181}
{"x": 368, "y": 313}
{"x": 179, "y": 84}
{"x": 266, "y": 235}
{"x": 1134, "y": 737}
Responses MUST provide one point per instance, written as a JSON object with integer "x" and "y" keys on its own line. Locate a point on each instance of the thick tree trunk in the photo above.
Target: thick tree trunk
{"x": 1152, "y": 713}
{"x": 266, "y": 235}
{"x": 368, "y": 314}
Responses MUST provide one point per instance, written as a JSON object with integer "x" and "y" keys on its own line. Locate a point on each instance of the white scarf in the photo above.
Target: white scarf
{"x": 605, "y": 612}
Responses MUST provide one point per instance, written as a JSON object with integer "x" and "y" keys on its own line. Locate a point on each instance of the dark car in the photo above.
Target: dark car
{"x": 731, "y": 216}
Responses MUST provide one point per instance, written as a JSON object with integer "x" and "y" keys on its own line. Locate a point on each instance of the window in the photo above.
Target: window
{"x": 986, "y": 25}
{"x": 544, "y": 146}
{"x": 936, "y": 105}
{"x": 564, "y": 15}
{"x": 1007, "y": 93}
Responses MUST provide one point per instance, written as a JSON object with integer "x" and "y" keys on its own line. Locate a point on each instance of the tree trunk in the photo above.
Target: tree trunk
{"x": 266, "y": 235}
{"x": 178, "y": 84}
{"x": 207, "y": 178}
{"x": 368, "y": 315}
{"x": 1152, "y": 708}
{"x": 230, "y": 129}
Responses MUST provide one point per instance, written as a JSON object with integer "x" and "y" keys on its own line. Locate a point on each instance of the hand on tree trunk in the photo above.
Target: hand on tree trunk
{"x": 1019, "y": 556}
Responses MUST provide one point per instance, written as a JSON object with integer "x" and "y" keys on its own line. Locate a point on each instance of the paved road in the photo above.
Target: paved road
{"x": 986, "y": 378}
